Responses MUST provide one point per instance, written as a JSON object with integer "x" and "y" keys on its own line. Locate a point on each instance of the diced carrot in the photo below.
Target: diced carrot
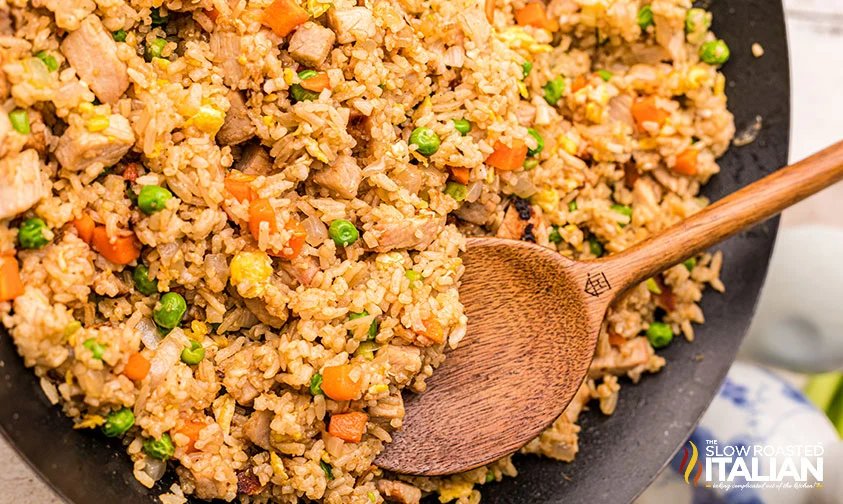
{"x": 85, "y": 227}
{"x": 284, "y": 16}
{"x": 616, "y": 339}
{"x": 507, "y": 158}
{"x": 137, "y": 367}
{"x": 630, "y": 174}
{"x": 433, "y": 329}
{"x": 192, "y": 429}
{"x": 687, "y": 161}
{"x": 646, "y": 111}
{"x": 237, "y": 185}
{"x": 317, "y": 83}
{"x": 337, "y": 383}
{"x": 260, "y": 210}
{"x": 579, "y": 83}
{"x": 295, "y": 243}
{"x": 10, "y": 284}
{"x": 348, "y": 426}
{"x": 534, "y": 14}
{"x": 213, "y": 14}
{"x": 122, "y": 250}
{"x": 459, "y": 173}
{"x": 490, "y": 11}
{"x": 666, "y": 300}
{"x": 130, "y": 174}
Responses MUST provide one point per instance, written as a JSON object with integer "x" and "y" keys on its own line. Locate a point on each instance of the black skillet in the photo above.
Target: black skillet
{"x": 619, "y": 455}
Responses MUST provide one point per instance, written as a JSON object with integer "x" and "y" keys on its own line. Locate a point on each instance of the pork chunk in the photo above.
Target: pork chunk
{"x": 226, "y": 48}
{"x": 237, "y": 127}
{"x": 254, "y": 161}
{"x": 20, "y": 183}
{"x": 623, "y": 359}
{"x": 256, "y": 428}
{"x": 521, "y": 221}
{"x": 92, "y": 52}
{"x": 395, "y": 491}
{"x": 311, "y": 43}
{"x": 404, "y": 362}
{"x": 356, "y": 23}
{"x": 343, "y": 177}
{"x": 79, "y": 149}
{"x": 410, "y": 233}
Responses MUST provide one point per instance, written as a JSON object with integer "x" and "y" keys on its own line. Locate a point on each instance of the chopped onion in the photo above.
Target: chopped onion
{"x": 333, "y": 445}
{"x": 168, "y": 353}
{"x": 410, "y": 178}
{"x": 154, "y": 468}
{"x": 39, "y": 74}
{"x": 454, "y": 56}
{"x": 522, "y": 186}
{"x": 149, "y": 333}
{"x": 316, "y": 230}
{"x": 475, "y": 189}
{"x": 620, "y": 109}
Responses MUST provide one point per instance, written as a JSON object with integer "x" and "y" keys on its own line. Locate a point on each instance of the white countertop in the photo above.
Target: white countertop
{"x": 816, "y": 46}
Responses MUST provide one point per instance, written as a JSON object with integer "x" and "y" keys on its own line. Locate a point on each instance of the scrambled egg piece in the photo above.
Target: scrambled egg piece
{"x": 250, "y": 272}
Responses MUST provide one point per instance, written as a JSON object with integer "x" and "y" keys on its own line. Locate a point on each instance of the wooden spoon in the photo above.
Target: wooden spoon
{"x": 533, "y": 321}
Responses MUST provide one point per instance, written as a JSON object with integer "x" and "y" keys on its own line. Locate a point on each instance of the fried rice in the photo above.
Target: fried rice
{"x": 591, "y": 124}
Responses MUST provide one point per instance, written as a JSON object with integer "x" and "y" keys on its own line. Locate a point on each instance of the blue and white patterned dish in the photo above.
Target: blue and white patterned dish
{"x": 755, "y": 407}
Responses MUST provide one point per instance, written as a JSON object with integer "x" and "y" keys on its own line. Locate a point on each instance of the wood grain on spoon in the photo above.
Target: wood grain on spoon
{"x": 534, "y": 318}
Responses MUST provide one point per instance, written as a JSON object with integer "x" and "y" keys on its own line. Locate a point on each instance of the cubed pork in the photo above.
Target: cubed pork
{"x": 343, "y": 177}
{"x": 356, "y": 23}
{"x": 79, "y": 149}
{"x": 92, "y": 52}
{"x": 20, "y": 183}
{"x": 237, "y": 127}
{"x": 311, "y": 43}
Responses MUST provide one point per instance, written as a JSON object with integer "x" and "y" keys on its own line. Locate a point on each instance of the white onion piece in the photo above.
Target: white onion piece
{"x": 316, "y": 230}
{"x": 149, "y": 333}
{"x": 522, "y": 186}
{"x": 154, "y": 468}
{"x": 620, "y": 109}
{"x": 475, "y": 189}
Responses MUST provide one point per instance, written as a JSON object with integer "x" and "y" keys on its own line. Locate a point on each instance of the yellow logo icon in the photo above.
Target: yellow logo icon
{"x": 688, "y": 464}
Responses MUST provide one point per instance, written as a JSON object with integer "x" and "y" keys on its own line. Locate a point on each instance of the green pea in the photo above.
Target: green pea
{"x": 373, "y": 327}
{"x": 659, "y": 334}
{"x": 301, "y": 94}
{"x": 326, "y": 468}
{"x": 316, "y": 385}
{"x": 172, "y": 307}
{"x": 554, "y": 90}
{"x": 155, "y": 48}
{"x": 690, "y": 264}
{"x": 193, "y": 355}
{"x": 161, "y": 449}
{"x": 697, "y": 22}
{"x": 490, "y": 477}
{"x": 462, "y": 126}
{"x": 343, "y": 232}
{"x": 456, "y": 190}
{"x": 605, "y": 75}
{"x": 426, "y": 141}
{"x": 572, "y": 206}
{"x": 157, "y": 18}
{"x": 554, "y": 236}
{"x": 623, "y": 210}
{"x": 595, "y": 247}
{"x": 645, "y": 17}
{"x": 119, "y": 35}
{"x": 20, "y": 121}
{"x": 31, "y": 234}
{"x": 530, "y": 164}
{"x": 526, "y": 68}
{"x": 367, "y": 350}
{"x": 539, "y": 143}
{"x": 49, "y": 61}
{"x": 95, "y": 347}
{"x": 153, "y": 198}
{"x": 143, "y": 284}
{"x": 653, "y": 286}
{"x": 715, "y": 52}
{"x": 118, "y": 422}
{"x": 413, "y": 275}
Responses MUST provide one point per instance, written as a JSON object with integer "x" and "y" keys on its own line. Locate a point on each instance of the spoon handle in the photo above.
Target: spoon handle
{"x": 728, "y": 216}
